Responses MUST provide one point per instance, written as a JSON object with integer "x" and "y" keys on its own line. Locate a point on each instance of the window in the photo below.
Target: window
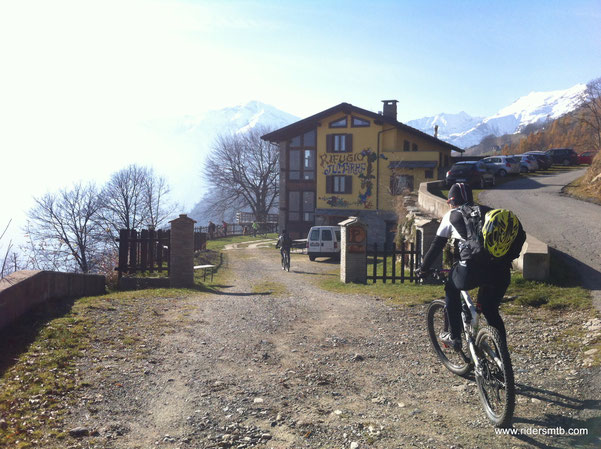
{"x": 339, "y": 184}
{"x": 308, "y": 206}
{"x": 314, "y": 235}
{"x": 309, "y": 139}
{"x": 326, "y": 235}
{"x": 301, "y": 211}
{"x": 357, "y": 122}
{"x": 406, "y": 145}
{"x": 429, "y": 174}
{"x": 294, "y": 206}
{"x": 339, "y": 143}
{"x": 340, "y": 123}
{"x": 414, "y": 147}
{"x": 301, "y": 157}
{"x": 399, "y": 183}
{"x": 309, "y": 165}
{"x": 294, "y": 166}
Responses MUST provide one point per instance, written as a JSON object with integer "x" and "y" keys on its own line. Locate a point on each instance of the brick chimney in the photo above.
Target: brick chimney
{"x": 390, "y": 108}
{"x": 436, "y": 131}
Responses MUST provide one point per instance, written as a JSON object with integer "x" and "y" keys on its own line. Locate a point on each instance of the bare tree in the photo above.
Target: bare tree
{"x": 63, "y": 230}
{"x": 134, "y": 197}
{"x": 155, "y": 192}
{"x": 591, "y": 108}
{"x": 243, "y": 169}
{"x": 6, "y": 257}
{"x": 123, "y": 202}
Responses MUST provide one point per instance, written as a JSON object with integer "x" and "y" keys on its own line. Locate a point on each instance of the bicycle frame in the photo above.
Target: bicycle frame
{"x": 470, "y": 318}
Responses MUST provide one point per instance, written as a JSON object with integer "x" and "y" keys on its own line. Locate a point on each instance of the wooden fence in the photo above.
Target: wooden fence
{"x": 144, "y": 251}
{"x": 394, "y": 263}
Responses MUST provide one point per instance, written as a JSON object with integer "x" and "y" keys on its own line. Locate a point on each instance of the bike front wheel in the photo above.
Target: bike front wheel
{"x": 438, "y": 323}
{"x": 495, "y": 381}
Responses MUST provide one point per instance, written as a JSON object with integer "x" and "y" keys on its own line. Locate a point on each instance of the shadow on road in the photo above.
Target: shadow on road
{"x": 588, "y": 277}
{"x": 554, "y": 421}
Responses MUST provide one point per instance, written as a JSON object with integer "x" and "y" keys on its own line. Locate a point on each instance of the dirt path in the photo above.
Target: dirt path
{"x": 272, "y": 361}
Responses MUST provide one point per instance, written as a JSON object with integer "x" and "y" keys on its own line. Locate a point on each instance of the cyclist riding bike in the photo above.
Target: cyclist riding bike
{"x": 491, "y": 274}
{"x": 284, "y": 243}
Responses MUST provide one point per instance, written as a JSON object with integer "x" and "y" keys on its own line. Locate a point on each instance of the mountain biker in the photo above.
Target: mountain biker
{"x": 491, "y": 275}
{"x": 284, "y": 243}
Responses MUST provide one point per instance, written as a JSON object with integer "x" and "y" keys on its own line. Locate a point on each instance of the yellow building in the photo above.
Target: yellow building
{"x": 349, "y": 161}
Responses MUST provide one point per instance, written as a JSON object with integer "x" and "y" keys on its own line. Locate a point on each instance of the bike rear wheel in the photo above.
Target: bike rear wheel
{"x": 495, "y": 383}
{"x": 437, "y": 323}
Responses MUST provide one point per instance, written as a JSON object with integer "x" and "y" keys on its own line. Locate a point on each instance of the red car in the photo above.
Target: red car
{"x": 586, "y": 157}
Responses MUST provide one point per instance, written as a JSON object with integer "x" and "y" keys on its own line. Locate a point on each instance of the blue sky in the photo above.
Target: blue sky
{"x": 79, "y": 77}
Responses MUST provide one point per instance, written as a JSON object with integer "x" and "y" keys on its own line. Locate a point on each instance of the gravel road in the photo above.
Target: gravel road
{"x": 269, "y": 360}
{"x": 564, "y": 223}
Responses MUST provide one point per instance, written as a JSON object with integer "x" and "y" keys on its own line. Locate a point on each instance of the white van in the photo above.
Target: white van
{"x": 323, "y": 241}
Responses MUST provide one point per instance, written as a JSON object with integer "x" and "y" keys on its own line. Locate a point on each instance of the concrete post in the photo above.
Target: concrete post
{"x": 426, "y": 231}
{"x": 353, "y": 260}
{"x": 181, "y": 252}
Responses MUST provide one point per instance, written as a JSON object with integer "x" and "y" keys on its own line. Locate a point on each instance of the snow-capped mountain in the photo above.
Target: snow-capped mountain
{"x": 536, "y": 107}
{"x": 190, "y": 139}
{"x": 448, "y": 124}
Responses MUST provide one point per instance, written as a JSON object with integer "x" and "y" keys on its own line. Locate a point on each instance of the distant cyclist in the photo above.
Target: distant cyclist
{"x": 284, "y": 243}
{"x": 484, "y": 262}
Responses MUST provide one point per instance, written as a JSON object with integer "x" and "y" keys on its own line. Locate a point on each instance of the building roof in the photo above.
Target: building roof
{"x": 412, "y": 164}
{"x": 307, "y": 124}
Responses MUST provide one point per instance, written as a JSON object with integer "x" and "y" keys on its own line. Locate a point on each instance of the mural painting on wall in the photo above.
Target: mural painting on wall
{"x": 354, "y": 164}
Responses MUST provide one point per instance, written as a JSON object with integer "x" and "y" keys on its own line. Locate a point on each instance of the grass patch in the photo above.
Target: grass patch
{"x": 579, "y": 190}
{"x": 562, "y": 292}
{"x": 39, "y": 377}
{"x": 219, "y": 244}
{"x": 269, "y": 288}
{"x": 400, "y": 294}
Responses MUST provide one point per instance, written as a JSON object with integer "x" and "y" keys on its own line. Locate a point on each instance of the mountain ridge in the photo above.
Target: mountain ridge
{"x": 533, "y": 108}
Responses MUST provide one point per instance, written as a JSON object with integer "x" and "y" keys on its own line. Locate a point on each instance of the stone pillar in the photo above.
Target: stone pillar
{"x": 426, "y": 231}
{"x": 181, "y": 252}
{"x": 353, "y": 260}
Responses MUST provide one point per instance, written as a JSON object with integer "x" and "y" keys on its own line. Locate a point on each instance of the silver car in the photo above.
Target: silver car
{"x": 502, "y": 165}
{"x": 528, "y": 163}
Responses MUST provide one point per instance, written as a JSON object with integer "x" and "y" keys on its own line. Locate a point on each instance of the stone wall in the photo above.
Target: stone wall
{"x": 22, "y": 290}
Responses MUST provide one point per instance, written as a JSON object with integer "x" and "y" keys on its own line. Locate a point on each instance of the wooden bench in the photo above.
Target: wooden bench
{"x": 205, "y": 268}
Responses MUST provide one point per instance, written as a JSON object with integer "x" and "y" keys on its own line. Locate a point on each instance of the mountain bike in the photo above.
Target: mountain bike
{"x": 482, "y": 350}
{"x": 285, "y": 260}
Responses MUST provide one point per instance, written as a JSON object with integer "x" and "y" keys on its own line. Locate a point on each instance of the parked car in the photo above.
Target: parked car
{"x": 502, "y": 165}
{"x": 544, "y": 161}
{"x": 586, "y": 157}
{"x": 474, "y": 173}
{"x": 563, "y": 156}
{"x": 528, "y": 163}
{"x": 323, "y": 241}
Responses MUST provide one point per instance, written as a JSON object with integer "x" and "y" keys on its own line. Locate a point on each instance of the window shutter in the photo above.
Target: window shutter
{"x": 348, "y": 184}
{"x": 329, "y": 184}
{"x": 348, "y": 143}
{"x": 329, "y": 143}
